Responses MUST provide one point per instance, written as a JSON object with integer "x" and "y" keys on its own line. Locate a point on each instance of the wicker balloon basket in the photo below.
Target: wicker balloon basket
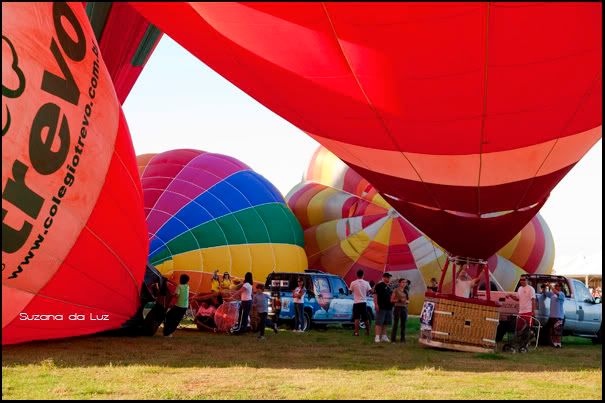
{"x": 456, "y": 323}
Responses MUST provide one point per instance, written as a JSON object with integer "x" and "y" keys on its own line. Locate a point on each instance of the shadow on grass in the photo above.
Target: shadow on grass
{"x": 335, "y": 348}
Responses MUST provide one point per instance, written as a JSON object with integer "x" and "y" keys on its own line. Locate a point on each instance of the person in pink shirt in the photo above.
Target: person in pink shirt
{"x": 204, "y": 318}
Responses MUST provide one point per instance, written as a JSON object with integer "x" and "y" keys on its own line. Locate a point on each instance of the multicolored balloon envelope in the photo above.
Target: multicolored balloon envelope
{"x": 208, "y": 212}
{"x": 349, "y": 226}
{"x": 463, "y": 115}
{"x": 73, "y": 229}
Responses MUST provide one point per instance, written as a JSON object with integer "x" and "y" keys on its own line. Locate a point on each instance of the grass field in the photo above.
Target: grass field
{"x": 328, "y": 364}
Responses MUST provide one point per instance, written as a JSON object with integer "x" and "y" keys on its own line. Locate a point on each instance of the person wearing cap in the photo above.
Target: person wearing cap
{"x": 556, "y": 320}
{"x": 384, "y": 308}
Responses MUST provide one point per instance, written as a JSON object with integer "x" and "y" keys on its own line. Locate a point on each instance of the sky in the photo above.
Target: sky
{"x": 179, "y": 102}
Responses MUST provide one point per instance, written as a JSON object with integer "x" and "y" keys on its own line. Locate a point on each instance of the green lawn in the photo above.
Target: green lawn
{"x": 328, "y": 364}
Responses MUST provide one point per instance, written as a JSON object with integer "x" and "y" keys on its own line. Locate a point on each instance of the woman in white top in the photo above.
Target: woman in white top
{"x": 245, "y": 296}
{"x": 299, "y": 302}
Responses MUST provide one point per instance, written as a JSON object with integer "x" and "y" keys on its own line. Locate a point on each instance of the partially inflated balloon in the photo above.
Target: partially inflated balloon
{"x": 463, "y": 115}
{"x": 208, "y": 212}
{"x": 73, "y": 229}
{"x": 349, "y": 226}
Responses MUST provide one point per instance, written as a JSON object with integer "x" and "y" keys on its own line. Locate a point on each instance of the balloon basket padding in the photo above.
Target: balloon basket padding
{"x": 462, "y": 324}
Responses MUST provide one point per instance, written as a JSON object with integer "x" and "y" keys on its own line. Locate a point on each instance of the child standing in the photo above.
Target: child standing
{"x": 261, "y": 302}
{"x": 177, "y": 312}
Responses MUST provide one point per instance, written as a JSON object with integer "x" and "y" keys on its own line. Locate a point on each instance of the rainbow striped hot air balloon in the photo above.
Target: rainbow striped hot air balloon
{"x": 349, "y": 226}
{"x": 208, "y": 212}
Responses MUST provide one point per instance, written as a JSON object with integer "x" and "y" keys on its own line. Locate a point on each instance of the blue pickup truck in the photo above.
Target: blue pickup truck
{"x": 327, "y": 301}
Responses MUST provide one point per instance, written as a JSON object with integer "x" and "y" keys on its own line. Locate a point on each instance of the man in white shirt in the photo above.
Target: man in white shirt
{"x": 465, "y": 283}
{"x": 360, "y": 289}
{"x": 526, "y": 295}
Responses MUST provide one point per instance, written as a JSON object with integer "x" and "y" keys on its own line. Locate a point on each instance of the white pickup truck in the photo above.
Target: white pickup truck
{"x": 582, "y": 312}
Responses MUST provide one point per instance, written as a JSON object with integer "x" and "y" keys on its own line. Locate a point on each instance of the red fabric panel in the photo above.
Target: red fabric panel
{"x": 120, "y": 39}
{"x": 338, "y": 58}
{"x": 467, "y": 236}
{"x": 464, "y": 198}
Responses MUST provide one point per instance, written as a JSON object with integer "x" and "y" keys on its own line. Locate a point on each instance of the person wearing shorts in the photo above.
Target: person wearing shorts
{"x": 384, "y": 308}
{"x": 360, "y": 289}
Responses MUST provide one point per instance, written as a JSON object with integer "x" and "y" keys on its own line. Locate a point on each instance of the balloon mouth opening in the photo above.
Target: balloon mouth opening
{"x": 492, "y": 214}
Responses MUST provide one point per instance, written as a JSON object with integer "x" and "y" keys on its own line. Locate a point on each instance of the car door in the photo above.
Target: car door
{"x": 323, "y": 296}
{"x": 589, "y": 313}
{"x": 569, "y": 308}
{"x": 341, "y": 308}
{"x": 286, "y": 284}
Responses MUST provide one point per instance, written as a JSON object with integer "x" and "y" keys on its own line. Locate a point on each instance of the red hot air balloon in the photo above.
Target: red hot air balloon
{"x": 74, "y": 243}
{"x": 463, "y": 115}
{"x": 126, "y": 40}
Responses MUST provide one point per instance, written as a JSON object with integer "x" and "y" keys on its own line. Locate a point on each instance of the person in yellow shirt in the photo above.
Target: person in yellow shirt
{"x": 226, "y": 283}
{"x": 215, "y": 285}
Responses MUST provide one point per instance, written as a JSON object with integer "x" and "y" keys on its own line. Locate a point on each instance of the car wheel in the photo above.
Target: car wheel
{"x": 307, "y": 321}
{"x": 598, "y": 339}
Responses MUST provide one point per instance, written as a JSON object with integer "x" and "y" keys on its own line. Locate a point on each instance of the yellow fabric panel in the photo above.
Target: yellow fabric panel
{"x": 241, "y": 259}
{"x": 315, "y": 209}
{"x": 379, "y": 200}
{"x": 263, "y": 261}
{"x": 433, "y": 269}
{"x": 215, "y": 259}
{"x": 327, "y": 235}
{"x": 384, "y": 233}
{"x": 191, "y": 261}
{"x": 354, "y": 245}
{"x": 165, "y": 267}
{"x": 508, "y": 249}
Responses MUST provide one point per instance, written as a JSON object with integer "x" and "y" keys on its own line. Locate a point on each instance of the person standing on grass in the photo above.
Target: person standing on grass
{"x": 245, "y": 296}
{"x": 261, "y": 302}
{"x": 299, "y": 303}
{"x": 360, "y": 289}
{"x": 526, "y": 295}
{"x": 400, "y": 299}
{"x": 556, "y": 319}
{"x": 177, "y": 312}
{"x": 384, "y": 308}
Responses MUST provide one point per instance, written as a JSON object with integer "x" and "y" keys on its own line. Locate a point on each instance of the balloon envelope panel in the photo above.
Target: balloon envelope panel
{"x": 463, "y": 115}
{"x": 208, "y": 212}
{"x": 349, "y": 226}
{"x": 69, "y": 181}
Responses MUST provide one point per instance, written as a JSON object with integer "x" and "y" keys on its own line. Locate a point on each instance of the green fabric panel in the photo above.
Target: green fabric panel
{"x": 162, "y": 255}
{"x": 280, "y": 230}
{"x": 183, "y": 243}
{"x": 97, "y": 15}
{"x": 267, "y": 223}
{"x": 149, "y": 39}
